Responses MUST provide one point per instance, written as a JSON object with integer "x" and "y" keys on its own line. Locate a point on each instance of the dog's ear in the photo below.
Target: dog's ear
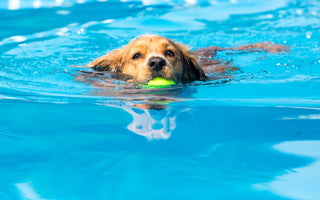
{"x": 111, "y": 62}
{"x": 191, "y": 69}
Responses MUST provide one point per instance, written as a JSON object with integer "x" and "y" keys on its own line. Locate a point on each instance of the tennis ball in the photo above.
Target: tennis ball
{"x": 159, "y": 82}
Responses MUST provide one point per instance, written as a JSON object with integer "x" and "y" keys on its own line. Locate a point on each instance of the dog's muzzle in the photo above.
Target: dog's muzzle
{"x": 157, "y": 63}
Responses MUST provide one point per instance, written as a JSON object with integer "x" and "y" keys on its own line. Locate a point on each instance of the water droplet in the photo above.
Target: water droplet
{"x": 299, "y": 11}
{"x": 314, "y": 13}
{"x": 18, "y": 38}
{"x": 63, "y": 12}
{"x": 108, "y": 21}
{"x": 270, "y": 16}
{"x": 36, "y": 4}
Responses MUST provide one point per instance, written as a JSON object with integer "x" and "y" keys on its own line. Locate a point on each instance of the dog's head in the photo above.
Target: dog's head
{"x": 152, "y": 56}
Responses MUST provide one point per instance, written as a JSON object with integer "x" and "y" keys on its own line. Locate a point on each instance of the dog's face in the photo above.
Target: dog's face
{"x": 152, "y": 56}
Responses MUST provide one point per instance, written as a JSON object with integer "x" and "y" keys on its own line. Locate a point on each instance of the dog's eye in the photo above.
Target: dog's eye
{"x": 169, "y": 53}
{"x": 136, "y": 56}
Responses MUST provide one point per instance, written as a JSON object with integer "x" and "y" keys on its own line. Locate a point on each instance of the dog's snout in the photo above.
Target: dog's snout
{"x": 157, "y": 63}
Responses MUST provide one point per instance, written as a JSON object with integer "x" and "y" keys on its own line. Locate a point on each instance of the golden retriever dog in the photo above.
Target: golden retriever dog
{"x": 150, "y": 56}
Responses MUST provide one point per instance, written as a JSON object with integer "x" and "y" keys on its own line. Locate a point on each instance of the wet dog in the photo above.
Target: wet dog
{"x": 150, "y": 56}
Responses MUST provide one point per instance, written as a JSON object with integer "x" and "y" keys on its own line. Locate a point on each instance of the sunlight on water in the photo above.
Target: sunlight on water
{"x": 298, "y": 183}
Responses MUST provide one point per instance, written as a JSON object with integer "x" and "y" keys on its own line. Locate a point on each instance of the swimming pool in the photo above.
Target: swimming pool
{"x": 255, "y": 136}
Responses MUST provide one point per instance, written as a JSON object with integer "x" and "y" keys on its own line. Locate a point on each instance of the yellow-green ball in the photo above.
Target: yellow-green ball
{"x": 158, "y": 81}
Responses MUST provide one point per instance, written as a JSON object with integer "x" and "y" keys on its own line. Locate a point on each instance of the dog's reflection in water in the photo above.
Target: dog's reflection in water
{"x": 154, "y": 117}
{"x": 152, "y": 124}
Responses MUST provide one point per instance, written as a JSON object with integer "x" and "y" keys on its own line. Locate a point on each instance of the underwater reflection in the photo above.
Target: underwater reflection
{"x": 151, "y": 120}
{"x": 153, "y": 111}
{"x": 152, "y": 124}
{"x": 298, "y": 183}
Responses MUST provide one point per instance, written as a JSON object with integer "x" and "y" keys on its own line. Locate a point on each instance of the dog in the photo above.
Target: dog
{"x": 150, "y": 56}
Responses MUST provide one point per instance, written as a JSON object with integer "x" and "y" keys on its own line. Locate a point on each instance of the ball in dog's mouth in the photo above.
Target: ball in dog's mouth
{"x": 159, "y": 82}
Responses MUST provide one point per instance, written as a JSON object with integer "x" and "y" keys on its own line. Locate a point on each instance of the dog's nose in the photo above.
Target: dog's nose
{"x": 157, "y": 63}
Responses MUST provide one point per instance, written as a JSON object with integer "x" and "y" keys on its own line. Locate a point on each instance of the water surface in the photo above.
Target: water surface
{"x": 252, "y": 136}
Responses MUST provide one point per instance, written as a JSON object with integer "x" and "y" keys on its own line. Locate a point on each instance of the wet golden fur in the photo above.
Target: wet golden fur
{"x": 181, "y": 65}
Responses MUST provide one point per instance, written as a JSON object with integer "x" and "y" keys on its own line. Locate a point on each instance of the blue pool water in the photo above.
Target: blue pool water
{"x": 253, "y": 136}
